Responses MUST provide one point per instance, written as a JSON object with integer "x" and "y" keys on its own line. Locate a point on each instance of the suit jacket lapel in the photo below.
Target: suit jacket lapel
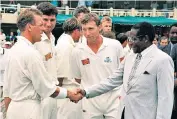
{"x": 129, "y": 63}
{"x": 145, "y": 61}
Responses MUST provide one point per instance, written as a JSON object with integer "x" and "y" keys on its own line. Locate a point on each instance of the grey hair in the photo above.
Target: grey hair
{"x": 163, "y": 38}
{"x": 91, "y": 17}
{"x": 70, "y": 25}
{"x": 80, "y": 9}
{"x": 27, "y": 16}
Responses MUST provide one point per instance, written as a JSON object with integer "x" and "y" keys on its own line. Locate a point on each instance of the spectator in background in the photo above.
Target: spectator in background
{"x": 164, "y": 41}
{"x": 128, "y": 47}
{"x": 80, "y": 11}
{"x": 12, "y": 37}
{"x": 109, "y": 34}
{"x": 7, "y": 45}
{"x": 173, "y": 39}
{"x": 123, "y": 39}
{"x": 155, "y": 41}
{"x": 106, "y": 24}
{"x": 164, "y": 45}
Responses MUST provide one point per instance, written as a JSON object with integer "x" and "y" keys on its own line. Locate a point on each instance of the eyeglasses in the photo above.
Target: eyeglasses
{"x": 135, "y": 38}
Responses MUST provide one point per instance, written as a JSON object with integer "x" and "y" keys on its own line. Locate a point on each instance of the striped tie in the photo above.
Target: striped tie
{"x": 137, "y": 61}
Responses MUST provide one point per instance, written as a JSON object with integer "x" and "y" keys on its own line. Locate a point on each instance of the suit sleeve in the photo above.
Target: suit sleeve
{"x": 173, "y": 56}
{"x": 113, "y": 81}
{"x": 165, "y": 86}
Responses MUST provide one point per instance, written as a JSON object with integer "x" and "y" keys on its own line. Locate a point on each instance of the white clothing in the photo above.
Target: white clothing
{"x": 3, "y": 63}
{"x": 46, "y": 46}
{"x": 64, "y": 48}
{"x": 91, "y": 68}
{"x": 83, "y": 39}
{"x": 25, "y": 74}
{"x": 26, "y": 79}
{"x": 28, "y": 109}
{"x": 146, "y": 92}
{"x": 100, "y": 65}
{"x": 67, "y": 109}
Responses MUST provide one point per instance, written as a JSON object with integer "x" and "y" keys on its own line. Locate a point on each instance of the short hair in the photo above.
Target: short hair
{"x": 91, "y": 17}
{"x": 121, "y": 37}
{"x": 106, "y": 18}
{"x": 70, "y": 25}
{"x": 80, "y": 9}
{"x": 27, "y": 16}
{"x": 145, "y": 28}
{"x": 163, "y": 38}
{"x": 109, "y": 34}
{"x": 47, "y": 8}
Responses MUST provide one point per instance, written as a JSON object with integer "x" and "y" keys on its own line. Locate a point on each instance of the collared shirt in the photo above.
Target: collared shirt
{"x": 64, "y": 48}
{"x": 25, "y": 76}
{"x": 91, "y": 68}
{"x": 47, "y": 50}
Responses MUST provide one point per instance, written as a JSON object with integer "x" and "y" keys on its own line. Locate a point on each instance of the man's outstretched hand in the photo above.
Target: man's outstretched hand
{"x": 76, "y": 94}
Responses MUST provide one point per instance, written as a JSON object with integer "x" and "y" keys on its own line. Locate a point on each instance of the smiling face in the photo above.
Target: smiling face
{"x": 49, "y": 23}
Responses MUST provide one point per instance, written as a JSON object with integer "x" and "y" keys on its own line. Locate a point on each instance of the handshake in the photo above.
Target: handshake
{"x": 76, "y": 94}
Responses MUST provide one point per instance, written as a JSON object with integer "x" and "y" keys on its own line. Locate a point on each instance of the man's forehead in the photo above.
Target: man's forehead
{"x": 48, "y": 17}
{"x": 107, "y": 22}
{"x": 173, "y": 29}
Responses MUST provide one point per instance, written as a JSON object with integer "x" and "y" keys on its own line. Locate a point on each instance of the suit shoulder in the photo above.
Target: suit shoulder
{"x": 162, "y": 56}
{"x": 175, "y": 46}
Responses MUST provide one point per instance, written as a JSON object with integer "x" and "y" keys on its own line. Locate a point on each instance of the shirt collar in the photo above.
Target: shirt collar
{"x": 104, "y": 44}
{"x": 71, "y": 41}
{"x": 44, "y": 37}
{"x": 22, "y": 38}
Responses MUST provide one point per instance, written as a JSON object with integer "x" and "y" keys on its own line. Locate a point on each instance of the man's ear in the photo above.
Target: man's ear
{"x": 28, "y": 26}
{"x": 146, "y": 38}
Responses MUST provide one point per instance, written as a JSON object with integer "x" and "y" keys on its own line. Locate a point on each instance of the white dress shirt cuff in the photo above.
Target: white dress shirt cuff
{"x": 62, "y": 94}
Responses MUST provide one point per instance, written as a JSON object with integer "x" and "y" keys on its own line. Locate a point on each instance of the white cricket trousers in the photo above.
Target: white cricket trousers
{"x": 68, "y": 109}
{"x": 27, "y": 109}
{"x": 105, "y": 106}
{"x": 49, "y": 108}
